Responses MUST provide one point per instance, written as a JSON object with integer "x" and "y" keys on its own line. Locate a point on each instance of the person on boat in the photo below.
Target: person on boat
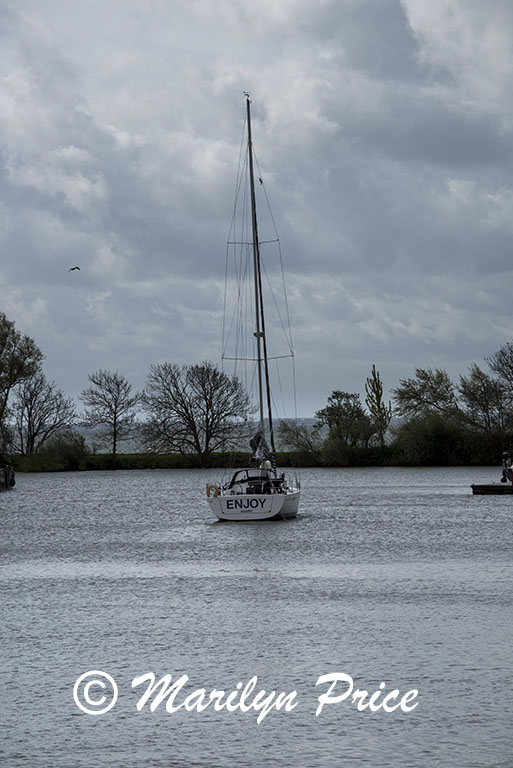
{"x": 507, "y": 472}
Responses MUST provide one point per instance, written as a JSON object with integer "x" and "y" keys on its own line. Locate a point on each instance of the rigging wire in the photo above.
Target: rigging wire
{"x": 280, "y": 254}
{"x": 238, "y": 181}
{"x": 288, "y": 329}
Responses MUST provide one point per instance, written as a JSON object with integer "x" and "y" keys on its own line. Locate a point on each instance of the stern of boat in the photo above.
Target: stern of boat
{"x": 240, "y": 507}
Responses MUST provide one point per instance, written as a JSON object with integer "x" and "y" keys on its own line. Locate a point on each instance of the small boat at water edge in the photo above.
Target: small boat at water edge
{"x": 491, "y": 488}
{"x": 506, "y": 484}
{"x": 7, "y": 477}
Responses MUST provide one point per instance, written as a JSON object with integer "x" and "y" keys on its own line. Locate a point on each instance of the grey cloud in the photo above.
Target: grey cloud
{"x": 389, "y": 176}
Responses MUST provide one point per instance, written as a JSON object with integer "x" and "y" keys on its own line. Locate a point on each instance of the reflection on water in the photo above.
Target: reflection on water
{"x": 393, "y": 575}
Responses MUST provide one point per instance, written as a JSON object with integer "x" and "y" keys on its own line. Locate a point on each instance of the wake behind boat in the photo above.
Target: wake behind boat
{"x": 259, "y": 491}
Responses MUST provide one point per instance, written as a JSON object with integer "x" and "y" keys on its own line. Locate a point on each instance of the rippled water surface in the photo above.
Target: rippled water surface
{"x": 398, "y": 576}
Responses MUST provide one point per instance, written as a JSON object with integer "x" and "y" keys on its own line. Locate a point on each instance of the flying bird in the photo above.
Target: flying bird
{"x": 72, "y": 269}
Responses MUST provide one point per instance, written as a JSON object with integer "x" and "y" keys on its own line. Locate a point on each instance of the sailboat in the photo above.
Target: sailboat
{"x": 258, "y": 491}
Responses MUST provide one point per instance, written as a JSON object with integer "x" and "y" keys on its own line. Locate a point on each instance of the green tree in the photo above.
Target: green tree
{"x": 454, "y": 424}
{"x": 381, "y": 414}
{"x": 65, "y": 451}
{"x": 111, "y": 406}
{"x": 430, "y": 392}
{"x": 431, "y": 440}
{"x": 485, "y": 402}
{"x": 349, "y": 426}
{"x": 20, "y": 358}
{"x": 478, "y": 402}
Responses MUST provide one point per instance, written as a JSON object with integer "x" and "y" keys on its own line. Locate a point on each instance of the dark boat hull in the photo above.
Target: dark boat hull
{"x": 492, "y": 488}
{"x": 7, "y": 477}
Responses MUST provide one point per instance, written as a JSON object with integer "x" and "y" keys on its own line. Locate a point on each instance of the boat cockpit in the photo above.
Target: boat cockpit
{"x": 256, "y": 481}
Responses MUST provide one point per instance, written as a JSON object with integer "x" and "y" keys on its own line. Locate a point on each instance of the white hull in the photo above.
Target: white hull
{"x": 256, "y": 506}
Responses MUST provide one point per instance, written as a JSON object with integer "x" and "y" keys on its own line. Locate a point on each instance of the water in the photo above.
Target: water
{"x": 398, "y": 576}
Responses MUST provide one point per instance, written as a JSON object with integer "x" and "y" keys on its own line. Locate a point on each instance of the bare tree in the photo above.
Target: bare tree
{"x": 41, "y": 411}
{"x": 501, "y": 363}
{"x": 111, "y": 406}
{"x": 300, "y": 437}
{"x": 195, "y": 408}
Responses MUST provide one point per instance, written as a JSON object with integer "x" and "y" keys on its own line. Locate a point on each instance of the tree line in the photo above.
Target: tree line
{"x": 198, "y": 410}
{"x": 195, "y": 409}
{"x": 436, "y": 421}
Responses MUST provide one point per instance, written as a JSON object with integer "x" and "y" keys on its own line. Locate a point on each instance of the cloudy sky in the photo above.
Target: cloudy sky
{"x": 384, "y": 129}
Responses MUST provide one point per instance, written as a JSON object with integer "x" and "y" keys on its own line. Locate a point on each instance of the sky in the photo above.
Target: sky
{"x": 384, "y": 132}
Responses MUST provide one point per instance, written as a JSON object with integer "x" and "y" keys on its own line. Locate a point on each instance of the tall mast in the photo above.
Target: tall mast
{"x": 256, "y": 266}
{"x": 259, "y": 302}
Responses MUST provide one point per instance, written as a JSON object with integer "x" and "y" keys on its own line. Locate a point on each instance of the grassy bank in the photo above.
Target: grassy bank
{"x": 62, "y": 461}
{"x": 103, "y": 461}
